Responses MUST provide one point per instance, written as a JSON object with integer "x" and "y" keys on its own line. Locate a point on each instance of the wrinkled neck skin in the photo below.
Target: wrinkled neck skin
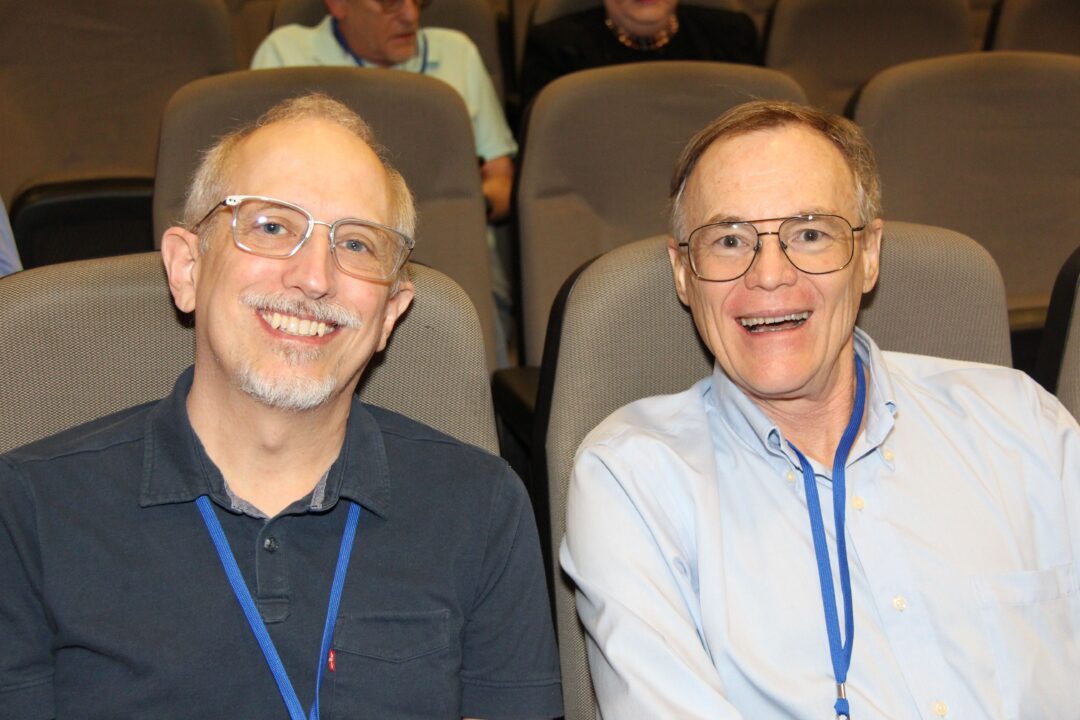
{"x": 815, "y": 424}
{"x": 268, "y": 456}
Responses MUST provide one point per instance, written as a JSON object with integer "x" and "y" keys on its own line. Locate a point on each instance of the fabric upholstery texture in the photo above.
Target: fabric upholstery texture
{"x": 84, "y": 339}
{"x": 1044, "y": 25}
{"x": 421, "y": 121}
{"x": 597, "y": 162}
{"x": 985, "y": 144}
{"x": 625, "y": 336}
{"x": 84, "y": 83}
{"x": 832, "y": 47}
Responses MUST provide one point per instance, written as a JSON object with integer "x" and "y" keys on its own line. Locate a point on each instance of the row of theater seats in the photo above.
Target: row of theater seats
{"x": 105, "y": 336}
{"x": 983, "y": 143}
{"x": 85, "y": 83}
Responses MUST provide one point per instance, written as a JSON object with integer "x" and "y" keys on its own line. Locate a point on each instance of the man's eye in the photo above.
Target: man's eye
{"x": 355, "y": 245}
{"x": 728, "y": 242}
{"x": 811, "y": 236}
{"x": 271, "y": 228}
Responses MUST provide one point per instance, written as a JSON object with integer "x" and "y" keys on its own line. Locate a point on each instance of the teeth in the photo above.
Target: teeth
{"x": 751, "y": 322}
{"x": 297, "y": 326}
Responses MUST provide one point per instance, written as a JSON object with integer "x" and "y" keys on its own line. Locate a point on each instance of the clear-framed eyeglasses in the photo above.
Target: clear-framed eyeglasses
{"x": 814, "y": 244}
{"x": 277, "y": 229}
{"x": 390, "y": 7}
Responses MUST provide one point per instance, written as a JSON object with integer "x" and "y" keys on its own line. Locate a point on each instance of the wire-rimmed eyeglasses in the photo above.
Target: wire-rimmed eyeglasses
{"x": 814, "y": 244}
{"x": 274, "y": 228}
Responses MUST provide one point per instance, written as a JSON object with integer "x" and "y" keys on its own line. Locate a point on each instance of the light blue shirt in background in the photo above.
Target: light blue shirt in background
{"x": 689, "y": 540}
{"x": 9, "y": 255}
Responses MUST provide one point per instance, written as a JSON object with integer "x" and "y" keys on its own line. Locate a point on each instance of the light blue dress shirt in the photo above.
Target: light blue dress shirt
{"x": 688, "y": 537}
{"x": 9, "y": 255}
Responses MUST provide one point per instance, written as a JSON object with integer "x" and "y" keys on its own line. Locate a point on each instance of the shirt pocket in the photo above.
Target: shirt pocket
{"x": 1031, "y": 622}
{"x": 395, "y": 664}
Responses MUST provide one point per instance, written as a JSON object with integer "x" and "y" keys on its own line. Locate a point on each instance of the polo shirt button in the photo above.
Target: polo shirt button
{"x": 270, "y": 544}
{"x": 790, "y": 476}
{"x": 858, "y": 502}
{"x": 888, "y": 455}
{"x": 941, "y": 709}
{"x": 899, "y": 603}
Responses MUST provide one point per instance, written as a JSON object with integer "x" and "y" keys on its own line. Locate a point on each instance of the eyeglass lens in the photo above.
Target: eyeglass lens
{"x": 815, "y": 244}
{"x": 274, "y": 230}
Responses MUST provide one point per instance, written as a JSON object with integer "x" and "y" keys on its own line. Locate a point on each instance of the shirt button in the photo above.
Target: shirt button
{"x": 941, "y": 709}
{"x": 790, "y": 476}
{"x": 270, "y": 544}
{"x": 888, "y": 455}
{"x": 899, "y": 603}
{"x": 858, "y": 503}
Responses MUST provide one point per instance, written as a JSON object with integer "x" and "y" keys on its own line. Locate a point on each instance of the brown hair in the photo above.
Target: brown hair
{"x": 767, "y": 114}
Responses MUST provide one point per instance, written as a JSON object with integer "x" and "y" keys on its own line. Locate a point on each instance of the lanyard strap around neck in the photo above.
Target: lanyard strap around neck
{"x": 258, "y": 627}
{"x": 840, "y": 651}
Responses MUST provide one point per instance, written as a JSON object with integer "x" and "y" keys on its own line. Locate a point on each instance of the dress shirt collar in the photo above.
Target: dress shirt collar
{"x": 733, "y": 407}
{"x": 177, "y": 469}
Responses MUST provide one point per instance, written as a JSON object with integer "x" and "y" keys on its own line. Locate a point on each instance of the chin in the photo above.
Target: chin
{"x": 295, "y": 394}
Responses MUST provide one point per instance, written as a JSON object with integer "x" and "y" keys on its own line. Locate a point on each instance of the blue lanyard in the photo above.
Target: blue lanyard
{"x": 841, "y": 652}
{"x": 258, "y": 627}
{"x": 421, "y": 42}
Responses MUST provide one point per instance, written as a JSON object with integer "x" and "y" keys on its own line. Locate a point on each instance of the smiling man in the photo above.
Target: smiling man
{"x": 260, "y": 542}
{"x": 820, "y": 527}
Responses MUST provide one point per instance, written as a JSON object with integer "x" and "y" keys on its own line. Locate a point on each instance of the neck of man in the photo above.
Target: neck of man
{"x": 816, "y": 424}
{"x": 269, "y": 457}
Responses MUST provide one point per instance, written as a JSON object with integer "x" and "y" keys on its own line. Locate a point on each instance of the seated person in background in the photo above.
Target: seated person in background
{"x": 624, "y": 31}
{"x": 387, "y": 34}
{"x": 142, "y": 552}
{"x": 9, "y": 254}
{"x": 927, "y": 509}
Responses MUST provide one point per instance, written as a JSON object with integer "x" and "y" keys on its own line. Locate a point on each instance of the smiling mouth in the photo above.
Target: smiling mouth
{"x": 301, "y": 327}
{"x": 774, "y": 323}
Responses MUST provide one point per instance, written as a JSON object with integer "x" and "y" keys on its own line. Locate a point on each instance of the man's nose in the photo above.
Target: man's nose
{"x": 771, "y": 267}
{"x": 410, "y": 10}
{"x": 312, "y": 270}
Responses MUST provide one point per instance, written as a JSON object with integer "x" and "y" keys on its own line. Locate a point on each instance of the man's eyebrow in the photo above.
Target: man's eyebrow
{"x": 718, "y": 218}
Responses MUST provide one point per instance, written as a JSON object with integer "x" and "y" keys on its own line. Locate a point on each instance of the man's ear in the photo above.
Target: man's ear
{"x": 679, "y": 269}
{"x": 396, "y": 304}
{"x": 871, "y": 253}
{"x": 180, "y": 252}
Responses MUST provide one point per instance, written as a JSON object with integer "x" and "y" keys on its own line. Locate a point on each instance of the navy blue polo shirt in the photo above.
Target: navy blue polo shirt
{"x": 114, "y": 603}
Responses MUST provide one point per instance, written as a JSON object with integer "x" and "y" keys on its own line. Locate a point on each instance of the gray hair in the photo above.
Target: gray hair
{"x": 749, "y": 117}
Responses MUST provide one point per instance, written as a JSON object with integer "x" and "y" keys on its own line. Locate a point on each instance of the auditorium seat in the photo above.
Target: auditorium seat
{"x": 832, "y": 47}
{"x": 1045, "y": 25}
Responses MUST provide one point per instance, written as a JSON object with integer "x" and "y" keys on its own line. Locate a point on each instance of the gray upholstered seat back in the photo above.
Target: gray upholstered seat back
{"x": 986, "y": 144}
{"x": 1043, "y": 25}
{"x": 421, "y": 121}
{"x": 81, "y": 340}
{"x": 597, "y": 161}
{"x": 84, "y": 83}
{"x": 832, "y": 47}
{"x": 625, "y": 336}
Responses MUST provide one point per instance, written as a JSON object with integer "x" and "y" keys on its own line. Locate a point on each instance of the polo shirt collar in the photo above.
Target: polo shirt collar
{"x": 176, "y": 468}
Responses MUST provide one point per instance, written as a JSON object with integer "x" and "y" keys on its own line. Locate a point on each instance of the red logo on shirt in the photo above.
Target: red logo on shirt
{"x": 331, "y": 661}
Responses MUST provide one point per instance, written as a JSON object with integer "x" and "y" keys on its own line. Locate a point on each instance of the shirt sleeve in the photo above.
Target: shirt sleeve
{"x": 645, "y": 654}
{"x": 9, "y": 255}
{"x": 26, "y": 665}
{"x": 510, "y": 664}
{"x": 493, "y": 136}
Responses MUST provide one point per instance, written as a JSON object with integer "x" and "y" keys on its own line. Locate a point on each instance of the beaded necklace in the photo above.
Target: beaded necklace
{"x": 647, "y": 43}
